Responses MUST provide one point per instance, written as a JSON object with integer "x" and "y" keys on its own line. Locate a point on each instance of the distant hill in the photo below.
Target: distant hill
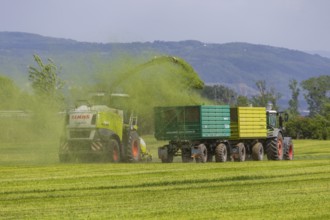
{"x": 237, "y": 65}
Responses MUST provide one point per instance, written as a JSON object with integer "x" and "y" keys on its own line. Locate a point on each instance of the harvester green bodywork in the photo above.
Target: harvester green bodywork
{"x": 98, "y": 133}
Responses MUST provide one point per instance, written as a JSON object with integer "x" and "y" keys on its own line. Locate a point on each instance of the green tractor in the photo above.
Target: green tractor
{"x": 278, "y": 147}
{"x": 100, "y": 133}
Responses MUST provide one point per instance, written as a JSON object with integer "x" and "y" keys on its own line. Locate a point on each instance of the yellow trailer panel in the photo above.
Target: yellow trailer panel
{"x": 248, "y": 122}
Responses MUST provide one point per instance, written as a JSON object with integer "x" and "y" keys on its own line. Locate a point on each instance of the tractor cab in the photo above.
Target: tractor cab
{"x": 275, "y": 119}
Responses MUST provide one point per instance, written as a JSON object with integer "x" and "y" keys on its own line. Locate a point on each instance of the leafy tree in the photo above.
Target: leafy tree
{"x": 317, "y": 95}
{"x": 242, "y": 101}
{"x": 308, "y": 127}
{"x": 293, "y": 102}
{"x": 45, "y": 80}
{"x": 265, "y": 95}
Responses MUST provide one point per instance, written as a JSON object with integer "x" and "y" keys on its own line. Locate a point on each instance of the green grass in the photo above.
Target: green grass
{"x": 35, "y": 186}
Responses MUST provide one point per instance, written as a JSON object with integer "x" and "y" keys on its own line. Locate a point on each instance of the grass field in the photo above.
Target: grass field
{"x": 35, "y": 186}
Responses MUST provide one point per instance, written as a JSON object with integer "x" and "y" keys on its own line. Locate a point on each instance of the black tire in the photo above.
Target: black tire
{"x": 241, "y": 152}
{"x": 186, "y": 155}
{"x": 114, "y": 151}
{"x": 209, "y": 156}
{"x": 221, "y": 153}
{"x": 258, "y": 151}
{"x": 168, "y": 157}
{"x": 275, "y": 148}
{"x": 289, "y": 149}
{"x": 133, "y": 150}
{"x": 203, "y": 155}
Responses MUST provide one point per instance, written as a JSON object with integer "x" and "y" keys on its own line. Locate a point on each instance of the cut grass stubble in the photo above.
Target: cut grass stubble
{"x": 251, "y": 190}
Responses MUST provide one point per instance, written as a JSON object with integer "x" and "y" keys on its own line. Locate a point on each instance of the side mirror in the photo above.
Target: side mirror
{"x": 286, "y": 117}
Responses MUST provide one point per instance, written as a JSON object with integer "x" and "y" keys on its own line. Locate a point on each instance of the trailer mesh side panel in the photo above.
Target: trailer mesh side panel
{"x": 192, "y": 122}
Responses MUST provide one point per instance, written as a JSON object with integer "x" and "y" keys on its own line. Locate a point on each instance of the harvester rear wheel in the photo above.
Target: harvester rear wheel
{"x": 221, "y": 153}
{"x": 275, "y": 148}
{"x": 203, "y": 154}
{"x": 257, "y": 151}
{"x": 114, "y": 151}
{"x": 133, "y": 151}
{"x": 289, "y": 149}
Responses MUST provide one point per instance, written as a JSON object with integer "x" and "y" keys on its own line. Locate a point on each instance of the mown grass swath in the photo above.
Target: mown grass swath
{"x": 37, "y": 189}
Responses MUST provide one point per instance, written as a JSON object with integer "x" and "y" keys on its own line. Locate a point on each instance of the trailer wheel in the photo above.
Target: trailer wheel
{"x": 257, "y": 151}
{"x": 169, "y": 159}
{"x": 275, "y": 148}
{"x": 288, "y": 149}
{"x": 114, "y": 151}
{"x": 133, "y": 151}
{"x": 209, "y": 156}
{"x": 165, "y": 155}
{"x": 186, "y": 155}
{"x": 221, "y": 153}
{"x": 203, "y": 154}
{"x": 241, "y": 152}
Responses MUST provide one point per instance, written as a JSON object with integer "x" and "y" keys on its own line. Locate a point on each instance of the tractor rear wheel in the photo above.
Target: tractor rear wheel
{"x": 257, "y": 151}
{"x": 202, "y": 158}
{"x": 289, "y": 149}
{"x": 275, "y": 148}
{"x": 133, "y": 151}
{"x": 221, "y": 153}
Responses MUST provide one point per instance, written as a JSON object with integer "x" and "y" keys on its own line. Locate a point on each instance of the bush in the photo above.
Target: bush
{"x": 308, "y": 128}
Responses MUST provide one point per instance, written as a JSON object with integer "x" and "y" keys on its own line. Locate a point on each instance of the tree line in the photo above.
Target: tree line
{"x": 48, "y": 91}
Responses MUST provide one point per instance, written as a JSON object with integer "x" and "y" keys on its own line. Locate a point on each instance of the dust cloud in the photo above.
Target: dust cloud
{"x": 36, "y": 124}
{"x": 159, "y": 81}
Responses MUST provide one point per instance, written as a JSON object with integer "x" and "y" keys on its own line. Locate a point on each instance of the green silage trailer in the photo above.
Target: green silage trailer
{"x": 205, "y": 131}
{"x": 191, "y": 130}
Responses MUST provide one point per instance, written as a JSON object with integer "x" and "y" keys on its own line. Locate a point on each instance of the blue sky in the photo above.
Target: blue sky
{"x": 294, "y": 24}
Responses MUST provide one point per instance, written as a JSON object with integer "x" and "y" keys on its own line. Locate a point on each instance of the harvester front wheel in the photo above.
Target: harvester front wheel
{"x": 275, "y": 148}
{"x": 221, "y": 153}
{"x": 288, "y": 149}
{"x": 114, "y": 151}
{"x": 133, "y": 150}
{"x": 257, "y": 151}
